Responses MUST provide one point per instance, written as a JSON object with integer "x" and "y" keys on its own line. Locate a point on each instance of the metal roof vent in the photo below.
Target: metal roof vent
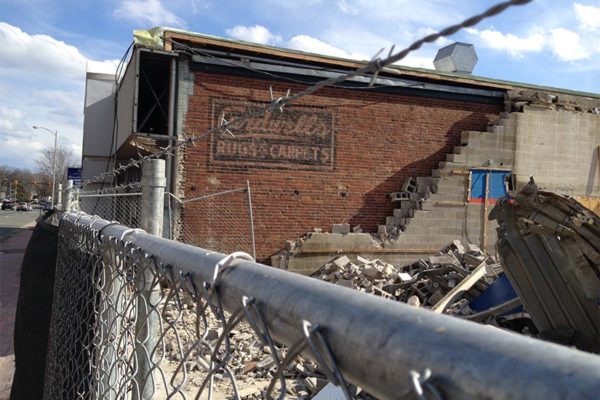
{"x": 456, "y": 57}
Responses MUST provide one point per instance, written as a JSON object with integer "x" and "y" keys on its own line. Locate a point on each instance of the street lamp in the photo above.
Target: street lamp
{"x": 55, "y": 133}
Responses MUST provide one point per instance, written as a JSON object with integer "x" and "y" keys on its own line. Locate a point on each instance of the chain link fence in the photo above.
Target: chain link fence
{"x": 122, "y": 204}
{"x": 140, "y": 317}
{"x": 127, "y": 326}
{"x": 219, "y": 221}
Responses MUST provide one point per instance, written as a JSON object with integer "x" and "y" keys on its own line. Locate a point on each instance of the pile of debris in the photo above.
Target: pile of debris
{"x": 445, "y": 282}
{"x": 250, "y": 360}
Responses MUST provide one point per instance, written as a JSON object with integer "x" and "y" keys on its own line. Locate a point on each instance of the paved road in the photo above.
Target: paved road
{"x": 11, "y": 222}
{"x": 15, "y": 231}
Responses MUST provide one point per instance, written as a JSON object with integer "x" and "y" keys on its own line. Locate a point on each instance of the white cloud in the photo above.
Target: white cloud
{"x": 314, "y": 45}
{"x": 588, "y": 16}
{"x": 567, "y": 46}
{"x": 10, "y": 119}
{"x": 346, "y": 8}
{"x": 147, "y": 11}
{"x": 255, "y": 33}
{"x": 569, "y": 40}
{"x": 42, "y": 82}
{"x": 38, "y": 53}
{"x": 102, "y": 67}
{"x": 512, "y": 44}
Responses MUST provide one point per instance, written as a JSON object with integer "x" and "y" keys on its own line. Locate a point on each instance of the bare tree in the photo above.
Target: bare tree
{"x": 18, "y": 182}
{"x": 45, "y": 163}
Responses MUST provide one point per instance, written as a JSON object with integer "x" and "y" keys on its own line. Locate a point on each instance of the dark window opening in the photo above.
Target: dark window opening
{"x": 153, "y": 93}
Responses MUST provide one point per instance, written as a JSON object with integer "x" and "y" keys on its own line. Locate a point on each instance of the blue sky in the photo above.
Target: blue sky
{"x": 46, "y": 46}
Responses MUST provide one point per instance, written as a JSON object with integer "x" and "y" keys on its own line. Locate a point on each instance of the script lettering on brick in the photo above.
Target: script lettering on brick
{"x": 298, "y": 137}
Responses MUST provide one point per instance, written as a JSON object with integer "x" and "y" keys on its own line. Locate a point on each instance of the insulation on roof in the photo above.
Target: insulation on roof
{"x": 149, "y": 37}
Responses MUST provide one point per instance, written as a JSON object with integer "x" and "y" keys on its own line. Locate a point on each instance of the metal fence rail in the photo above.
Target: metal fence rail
{"x": 388, "y": 349}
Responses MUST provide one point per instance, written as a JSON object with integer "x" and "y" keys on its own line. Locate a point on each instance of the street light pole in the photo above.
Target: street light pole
{"x": 55, "y": 133}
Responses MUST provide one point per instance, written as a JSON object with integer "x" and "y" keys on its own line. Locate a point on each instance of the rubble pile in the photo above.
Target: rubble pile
{"x": 421, "y": 284}
{"x": 250, "y": 360}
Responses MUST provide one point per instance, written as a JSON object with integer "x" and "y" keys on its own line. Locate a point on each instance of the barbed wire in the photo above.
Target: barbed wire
{"x": 109, "y": 190}
{"x": 373, "y": 68}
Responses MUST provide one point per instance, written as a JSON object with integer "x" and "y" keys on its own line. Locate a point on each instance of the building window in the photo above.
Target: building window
{"x": 499, "y": 185}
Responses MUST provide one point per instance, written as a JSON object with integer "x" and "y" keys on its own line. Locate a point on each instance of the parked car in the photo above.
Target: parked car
{"x": 22, "y": 206}
{"x": 8, "y": 204}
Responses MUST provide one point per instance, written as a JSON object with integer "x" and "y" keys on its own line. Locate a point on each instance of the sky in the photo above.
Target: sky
{"x": 46, "y": 46}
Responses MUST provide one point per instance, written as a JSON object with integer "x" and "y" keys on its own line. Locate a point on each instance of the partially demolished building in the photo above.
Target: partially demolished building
{"x": 391, "y": 167}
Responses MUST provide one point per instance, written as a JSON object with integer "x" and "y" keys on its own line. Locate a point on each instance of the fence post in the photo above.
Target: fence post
{"x": 153, "y": 193}
{"x": 251, "y": 218}
{"x": 59, "y": 197}
{"x": 68, "y": 195}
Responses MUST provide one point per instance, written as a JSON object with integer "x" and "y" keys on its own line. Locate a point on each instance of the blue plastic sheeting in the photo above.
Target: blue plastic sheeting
{"x": 497, "y": 186}
{"x": 499, "y": 292}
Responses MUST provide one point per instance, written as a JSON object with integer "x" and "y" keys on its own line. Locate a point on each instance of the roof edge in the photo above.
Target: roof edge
{"x": 162, "y": 37}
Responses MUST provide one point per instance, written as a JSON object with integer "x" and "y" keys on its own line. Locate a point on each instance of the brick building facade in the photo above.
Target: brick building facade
{"x": 361, "y": 146}
{"x": 334, "y": 156}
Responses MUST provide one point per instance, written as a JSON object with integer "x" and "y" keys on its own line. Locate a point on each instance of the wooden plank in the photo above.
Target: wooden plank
{"x": 463, "y": 286}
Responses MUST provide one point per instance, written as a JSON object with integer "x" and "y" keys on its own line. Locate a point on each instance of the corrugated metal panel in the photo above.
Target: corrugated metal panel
{"x": 550, "y": 250}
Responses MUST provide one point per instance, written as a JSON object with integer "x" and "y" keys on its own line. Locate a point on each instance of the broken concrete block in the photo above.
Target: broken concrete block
{"x": 370, "y": 272}
{"x": 473, "y": 260}
{"x": 474, "y": 248}
{"x": 414, "y": 301}
{"x": 388, "y": 269}
{"x": 357, "y": 229}
{"x": 342, "y": 261}
{"x": 459, "y": 247}
{"x": 442, "y": 259}
{"x": 363, "y": 260}
{"x": 330, "y": 392}
{"x": 340, "y": 228}
{"x": 404, "y": 276}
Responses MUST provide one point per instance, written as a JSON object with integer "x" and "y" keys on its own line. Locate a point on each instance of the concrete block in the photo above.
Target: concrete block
{"x": 342, "y": 261}
{"x": 469, "y": 137}
{"x": 414, "y": 197}
{"x": 410, "y": 185}
{"x": 399, "y": 196}
{"x": 460, "y": 149}
{"x": 456, "y": 158}
{"x": 451, "y": 165}
{"x": 340, "y": 228}
{"x": 408, "y": 205}
{"x": 427, "y": 206}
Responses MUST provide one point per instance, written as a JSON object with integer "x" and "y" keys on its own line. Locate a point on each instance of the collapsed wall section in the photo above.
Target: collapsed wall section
{"x": 332, "y": 157}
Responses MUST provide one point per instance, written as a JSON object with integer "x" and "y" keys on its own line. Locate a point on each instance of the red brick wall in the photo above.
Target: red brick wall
{"x": 379, "y": 140}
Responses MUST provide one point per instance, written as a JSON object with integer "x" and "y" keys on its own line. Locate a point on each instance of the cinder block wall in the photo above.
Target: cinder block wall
{"x": 378, "y": 141}
{"x": 560, "y": 149}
